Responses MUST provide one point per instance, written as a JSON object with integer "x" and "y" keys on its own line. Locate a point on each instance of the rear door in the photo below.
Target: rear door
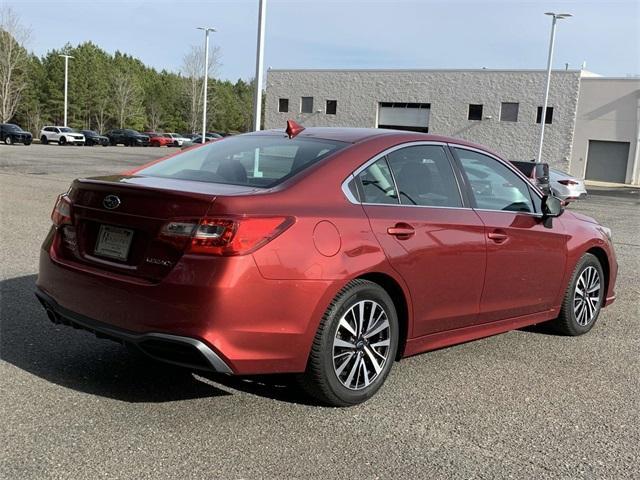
{"x": 525, "y": 259}
{"x": 434, "y": 241}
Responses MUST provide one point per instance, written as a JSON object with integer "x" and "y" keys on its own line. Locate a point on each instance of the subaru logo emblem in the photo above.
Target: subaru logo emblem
{"x": 111, "y": 202}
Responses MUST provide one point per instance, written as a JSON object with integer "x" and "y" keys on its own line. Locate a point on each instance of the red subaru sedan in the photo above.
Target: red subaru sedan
{"x": 329, "y": 253}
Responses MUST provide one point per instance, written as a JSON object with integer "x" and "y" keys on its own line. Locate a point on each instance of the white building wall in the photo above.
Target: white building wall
{"x": 608, "y": 109}
{"x": 449, "y": 92}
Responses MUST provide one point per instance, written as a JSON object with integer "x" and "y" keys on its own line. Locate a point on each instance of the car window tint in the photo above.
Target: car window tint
{"x": 424, "y": 176}
{"x": 377, "y": 184}
{"x": 494, "y": 186}
{"x": 260, "y": 161}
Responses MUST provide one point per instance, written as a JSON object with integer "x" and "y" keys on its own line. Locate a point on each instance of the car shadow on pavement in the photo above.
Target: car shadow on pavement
{"x": 78, "y": 360}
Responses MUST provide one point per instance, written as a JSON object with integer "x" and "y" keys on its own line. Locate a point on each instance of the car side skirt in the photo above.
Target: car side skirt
{"x": 447, "y": 338}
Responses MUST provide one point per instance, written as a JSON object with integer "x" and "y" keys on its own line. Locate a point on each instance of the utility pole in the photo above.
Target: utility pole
{"x": 543, "y": 117}
{"x": 257, "y": 106}
{"x": 206, "y": 77}
{"x": 66, "y": 83}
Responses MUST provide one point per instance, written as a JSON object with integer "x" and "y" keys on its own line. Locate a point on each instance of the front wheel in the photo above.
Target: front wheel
{"x": 583, "y": 298}
{"x": 355, "y": 346}
{"x": 62, "y": 141}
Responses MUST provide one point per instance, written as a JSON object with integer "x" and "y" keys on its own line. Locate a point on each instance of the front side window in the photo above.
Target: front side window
{"x": 377, "y": 184}
{"x": 494, "y": 186}
{"x": 424, "y": 176}
{"x": 249, "y": 160}
{"x": 306, "y": 105}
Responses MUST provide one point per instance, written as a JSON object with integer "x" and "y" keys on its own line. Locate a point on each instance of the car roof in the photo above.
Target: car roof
{"x": 356, "y": 135}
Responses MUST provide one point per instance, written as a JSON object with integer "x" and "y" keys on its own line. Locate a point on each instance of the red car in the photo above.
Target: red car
{"x": 159, "y": 140}
{"x": 324, "y": 252}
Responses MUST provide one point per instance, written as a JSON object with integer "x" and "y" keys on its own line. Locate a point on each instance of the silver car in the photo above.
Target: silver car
{"x": 565, "y": 186}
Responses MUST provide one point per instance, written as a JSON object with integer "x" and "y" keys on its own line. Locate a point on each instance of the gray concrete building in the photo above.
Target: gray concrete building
{"x": 592, "y": 122}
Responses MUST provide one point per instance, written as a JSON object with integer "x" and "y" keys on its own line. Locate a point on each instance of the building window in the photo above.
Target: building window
{"x": 332, "y": 106}
{"x": 475, "y": 111}
{"x": 283, "y": 105}
{"x": 548, "y": 117}
{"x": 307, "y": 105}
{"x": 509, "y": 112}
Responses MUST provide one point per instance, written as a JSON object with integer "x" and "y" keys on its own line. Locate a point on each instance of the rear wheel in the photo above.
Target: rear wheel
{"x": 583, "y": 299}
{"x": 355, "y": 346}
{"x": 43, "y": 140}
{"x": 8, "y": 140}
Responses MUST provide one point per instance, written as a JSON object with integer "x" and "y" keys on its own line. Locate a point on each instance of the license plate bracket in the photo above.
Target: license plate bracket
{"x": 113, "y": 242}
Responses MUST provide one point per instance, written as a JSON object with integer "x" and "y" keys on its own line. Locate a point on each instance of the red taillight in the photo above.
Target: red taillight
{"x": 568, "y": 182}
{"x": 224, "y": 236}
{"x": 61, "y": 214}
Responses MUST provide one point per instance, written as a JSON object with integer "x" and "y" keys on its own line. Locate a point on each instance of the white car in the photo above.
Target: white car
{"x": 178, "y": 140}
{"x": 566, "y": 187}
{"x": 61, "y": 135}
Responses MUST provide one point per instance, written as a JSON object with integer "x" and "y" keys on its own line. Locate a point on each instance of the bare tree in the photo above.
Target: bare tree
{"x": 193, "y": 70}
{"x": 154, "y": 114}
{"x": 126, "y": 96}
{"x": 14, "y": 61}
{"x": 101, "y": 116}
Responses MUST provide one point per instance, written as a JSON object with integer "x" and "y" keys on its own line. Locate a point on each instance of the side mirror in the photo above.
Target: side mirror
{"x": 551, "y": 207}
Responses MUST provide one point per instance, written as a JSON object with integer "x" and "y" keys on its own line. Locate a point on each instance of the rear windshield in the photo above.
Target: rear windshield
{"x": 249, "y": 160}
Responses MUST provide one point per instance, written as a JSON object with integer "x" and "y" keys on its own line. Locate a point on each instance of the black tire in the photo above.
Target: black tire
{"x": 176, "y": 144}
{"x": 8, "y": 140}
{"x": 27, "y": 142}
{"x": 113, "y": 143}
{"x": 62, "y": 141}
{"x": 321, "y": 379}
{"x": 567, "y": 322}
{"x": 44, "y": 140}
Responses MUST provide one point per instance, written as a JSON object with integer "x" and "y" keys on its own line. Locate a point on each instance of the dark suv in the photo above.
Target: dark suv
{"x": 127, "y": 137}
{"x": 11, "y": 133}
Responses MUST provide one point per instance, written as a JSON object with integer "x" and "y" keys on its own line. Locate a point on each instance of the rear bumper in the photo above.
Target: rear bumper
{"x": 175, "y": 349}
{"x": 224, "y": 303}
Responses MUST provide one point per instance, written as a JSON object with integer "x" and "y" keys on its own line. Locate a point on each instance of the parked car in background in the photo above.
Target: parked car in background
{"x": 537, "y": 173}
{"x": 196, "y": 139}
{"x": 61, "y": 135}
{"x": 326, "y": 252}
{"x": 127, "y": 137}
{"x": 566, "y": 187}
{"x": 178, "y": 140}
{"x": 11, "y": 133}
{"x": 94, "y": 138}
{"x": 158, "y": 139}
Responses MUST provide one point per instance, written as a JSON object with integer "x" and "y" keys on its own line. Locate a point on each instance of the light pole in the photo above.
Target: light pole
{"x": 543, "y": 117}
{"x": 66, "y": 83}
{"x": 206, "y": 77}
{"x": 257, "y": 106}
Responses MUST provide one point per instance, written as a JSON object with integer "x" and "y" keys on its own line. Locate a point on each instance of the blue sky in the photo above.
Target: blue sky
{"x": 348, "y": 33}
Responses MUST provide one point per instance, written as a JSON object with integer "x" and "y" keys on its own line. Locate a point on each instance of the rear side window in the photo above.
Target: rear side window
{"x": 494, "y": 186}
{"x": 424, "y": 176}
{"x": 377, "y": 184}
{"x": 249, "y": 160}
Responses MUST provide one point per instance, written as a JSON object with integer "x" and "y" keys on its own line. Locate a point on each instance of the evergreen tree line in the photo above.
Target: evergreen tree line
{"x": 119, "y": 91}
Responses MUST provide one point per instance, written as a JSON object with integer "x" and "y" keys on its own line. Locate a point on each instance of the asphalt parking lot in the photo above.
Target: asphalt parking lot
{"x": 526, "y": 404}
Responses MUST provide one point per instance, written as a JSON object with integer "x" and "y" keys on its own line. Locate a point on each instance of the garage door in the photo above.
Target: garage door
{"x": 607, "y": 161}
{"x": 404, "y": 116}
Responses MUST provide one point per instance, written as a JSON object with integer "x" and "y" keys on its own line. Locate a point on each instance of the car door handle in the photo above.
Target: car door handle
{"x": 401, "y": 230}
{"x": 498, "y": 236}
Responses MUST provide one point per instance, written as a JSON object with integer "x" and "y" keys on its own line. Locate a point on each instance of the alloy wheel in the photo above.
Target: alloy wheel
{"x": 586, "y": 298}
{"x": 361, "y": 344}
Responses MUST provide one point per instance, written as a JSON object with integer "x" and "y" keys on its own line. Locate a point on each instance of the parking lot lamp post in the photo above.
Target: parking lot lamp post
{"x": 206, "y": 77}
{"x": 66, "y": 83}
{"x": 543, "y": 117}
{"x": 257, "y": 106}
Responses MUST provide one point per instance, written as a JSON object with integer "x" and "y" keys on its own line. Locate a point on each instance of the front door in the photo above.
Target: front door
{"x": 413, "y": 202}
{"x": 525, "y": 259}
